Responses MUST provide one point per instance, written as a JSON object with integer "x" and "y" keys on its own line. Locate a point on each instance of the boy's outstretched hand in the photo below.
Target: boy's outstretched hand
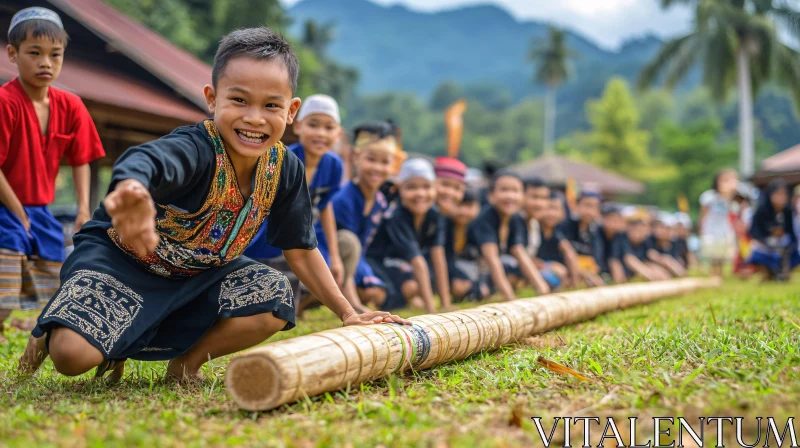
{"x": 373, "y": 317}
{"x": 133, "y": 215}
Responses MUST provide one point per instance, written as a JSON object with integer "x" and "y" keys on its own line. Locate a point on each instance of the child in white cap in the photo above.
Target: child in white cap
{"x": 412, "y": 234}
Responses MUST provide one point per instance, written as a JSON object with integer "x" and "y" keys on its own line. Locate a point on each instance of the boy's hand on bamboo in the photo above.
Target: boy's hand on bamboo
{"x": 133, "y": 215}
{"x": 373, "y": 317}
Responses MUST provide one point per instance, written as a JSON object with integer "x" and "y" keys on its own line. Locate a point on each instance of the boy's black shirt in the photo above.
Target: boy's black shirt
{"x": 585, "y": 242}
{"x": 397, "y": 237}
{"x": 549, "y": 249}
{"x": 178, "y": 170}
{"x": 486, "y": 229}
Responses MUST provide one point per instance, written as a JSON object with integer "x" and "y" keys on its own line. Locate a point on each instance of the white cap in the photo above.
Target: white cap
{"x": 416, "y": 168}
{"x": 668, "y": 219}
{"x": 684, "y": 219}
{"x": 319, "y": 104}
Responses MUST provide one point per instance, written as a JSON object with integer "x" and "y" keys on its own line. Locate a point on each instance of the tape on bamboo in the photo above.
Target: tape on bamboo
{"x": 285, "y": 371}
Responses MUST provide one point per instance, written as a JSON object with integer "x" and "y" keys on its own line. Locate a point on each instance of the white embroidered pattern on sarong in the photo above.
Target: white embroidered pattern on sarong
{"x": 98, "y": 304}
{"x": 252, "y": 285}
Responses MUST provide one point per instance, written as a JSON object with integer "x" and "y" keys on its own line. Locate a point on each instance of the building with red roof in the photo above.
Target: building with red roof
{"x": 137, "y": 85}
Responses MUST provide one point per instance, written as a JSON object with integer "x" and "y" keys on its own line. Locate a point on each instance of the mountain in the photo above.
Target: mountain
{"x": 399, "y": 49}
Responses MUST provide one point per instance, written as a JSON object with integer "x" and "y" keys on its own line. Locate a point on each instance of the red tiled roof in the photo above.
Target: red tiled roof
{"x": 557, "y": 170}
{"x": 786, "y": 160}
{"x": 174, "y": 66}
{"x": 100, "y": 84}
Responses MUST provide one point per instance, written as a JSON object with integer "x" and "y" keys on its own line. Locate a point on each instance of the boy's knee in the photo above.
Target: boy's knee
{"x": 375, "y": 296}
{"x": 460, "y": 288}
{"x": 349, "y": 244}
{"x": 267, "y": 324}
{"x": 71, "y": 353}
{"x": 410, "y": 289}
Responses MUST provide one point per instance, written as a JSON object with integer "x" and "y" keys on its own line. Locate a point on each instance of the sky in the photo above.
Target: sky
{"x": 608, "y": 22}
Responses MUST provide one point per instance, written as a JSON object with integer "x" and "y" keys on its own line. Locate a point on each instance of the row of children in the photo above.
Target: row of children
{"x": 391, "y": 240}
{"x": 156, "y": 272}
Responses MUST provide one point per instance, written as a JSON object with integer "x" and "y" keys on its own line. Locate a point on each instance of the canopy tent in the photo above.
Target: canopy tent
{"x": 556, "y": 171}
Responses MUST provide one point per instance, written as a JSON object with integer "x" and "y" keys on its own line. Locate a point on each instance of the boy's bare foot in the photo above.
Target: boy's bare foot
{"x": 116, "y": 367}
{"x": 34, "y": 355}
{"x": 23, "y": 325}
{"x": 177, "y": 371}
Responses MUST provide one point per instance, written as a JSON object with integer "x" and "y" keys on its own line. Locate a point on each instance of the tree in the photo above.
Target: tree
{"x": 737, "y": 43}
{"x": 173, "y": 19}
{"x": 446, "y": 94}
{"x": 330, "y": 78}
{"x": 317, "y": 37}
{"x": 551, "y": 58}
{"x": 616, "y": 140}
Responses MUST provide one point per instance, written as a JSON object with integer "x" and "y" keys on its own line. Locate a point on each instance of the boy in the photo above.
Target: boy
{"x": 537, "y": 197}
{"x": 318, "y": 128}
{"x": 555, "y": 257}
{"x": 359, "y": 207}
{"x": 611, "y": 234}
{"x": 663, "y": 252}
{"x": 411, "y": 232}
{"x": 583, "y": 235}
{"x": 463, "y": 260}
{"x": 39, "y": 124}
{"x": 500, "y": 233}
{"x": 450, "y": 184}
{"x": 683, "y": 225}
{"x": 157, "y": 273}
{"x": 633, "y": 249}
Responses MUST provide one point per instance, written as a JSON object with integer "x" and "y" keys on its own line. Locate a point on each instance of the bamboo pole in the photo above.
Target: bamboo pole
{"x": 283, "y": 372}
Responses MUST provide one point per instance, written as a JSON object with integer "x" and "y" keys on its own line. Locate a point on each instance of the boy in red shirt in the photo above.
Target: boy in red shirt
{"x": 39, "y": 125}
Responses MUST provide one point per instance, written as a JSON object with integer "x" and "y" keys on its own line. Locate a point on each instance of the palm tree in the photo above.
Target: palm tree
{"x": 317, "y": 36}
{"x": 551, "y": 57}
{"x": 737, "y": 44}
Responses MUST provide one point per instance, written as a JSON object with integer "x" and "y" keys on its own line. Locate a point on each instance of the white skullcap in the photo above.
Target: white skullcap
{"x": 319, "y": 104}
{"x": 413, "y": 168}
{"x": 668, "y": 219}
{"x": 683, "y": 219}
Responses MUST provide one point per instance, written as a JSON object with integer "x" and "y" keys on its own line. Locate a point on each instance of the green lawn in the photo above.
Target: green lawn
{"x": 731, "y": 351}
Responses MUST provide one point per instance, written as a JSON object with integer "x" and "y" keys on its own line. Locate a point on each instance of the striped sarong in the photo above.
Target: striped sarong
{"x": 26, "y": 283}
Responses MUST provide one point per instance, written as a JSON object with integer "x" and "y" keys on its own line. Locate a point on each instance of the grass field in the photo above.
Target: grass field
{"x": 731, "y": 351}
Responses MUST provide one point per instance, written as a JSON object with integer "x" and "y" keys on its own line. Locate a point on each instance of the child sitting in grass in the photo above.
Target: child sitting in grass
{"x": 157, "y": 274}
{"x": 775, "y": 249}
{"x": 612, "y": 235}
{"x": 583, "y": 234}
{"x": 537, "y": 199}
{"x": 634, "y": 249}
{"x": 663, "y": 250}
{"x": 683, "y": 227}
{"x": 450, "y": 184}
{"x": 500, "y": 234}
{"x": 412, "y": 231}
{"x": 555, "y": 257}
{"x": 463, "y": 259}
{"x": 360, "y": 205}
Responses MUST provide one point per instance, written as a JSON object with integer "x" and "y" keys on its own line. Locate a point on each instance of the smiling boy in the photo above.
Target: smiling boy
{"x": 411, "y": 234}
{"x": 39, "y": 125}
{"x": 157, "y": 273}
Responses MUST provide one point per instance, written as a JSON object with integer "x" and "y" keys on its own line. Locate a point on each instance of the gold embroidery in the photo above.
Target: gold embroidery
{"x": 224, "y": 225}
